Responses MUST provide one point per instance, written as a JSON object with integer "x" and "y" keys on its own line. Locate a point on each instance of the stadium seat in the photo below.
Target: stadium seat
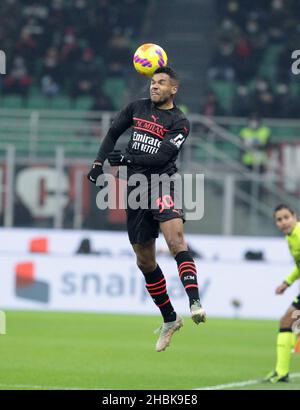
{"x": 84, "y": 103}
{"x": 38, "y": 102}
{"x": 34, "y": 90}
{"x": 225, "y": 91}
{"x": 60, "y": 103}
{"x": 115, "y": 88}
{"x": 12, "y": 101}
{"x": 295, "y": 89}
{"x": 268, "y": 65}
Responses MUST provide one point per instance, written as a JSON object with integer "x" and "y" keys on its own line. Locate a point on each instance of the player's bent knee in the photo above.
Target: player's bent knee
{"x": 146, "y": 266}
{"x": 176, "y": 245}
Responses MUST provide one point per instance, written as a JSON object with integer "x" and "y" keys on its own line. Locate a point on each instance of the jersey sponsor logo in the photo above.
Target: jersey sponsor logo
{"x": 145, "y": 143}
{"x": 149, "y": 126}
{"x": 144, "y": 148}
{"x": 144, "y": 138}
{"x": 178, "y": 140}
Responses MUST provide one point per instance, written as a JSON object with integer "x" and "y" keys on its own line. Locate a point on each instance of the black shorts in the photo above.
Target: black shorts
{"x": 296, "y": 302}
{"x": 160, "y": 204}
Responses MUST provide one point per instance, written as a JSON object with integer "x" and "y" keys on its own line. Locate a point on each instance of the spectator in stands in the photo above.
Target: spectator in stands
{"x": 244, "y": 63}
{"x": 257, "y": 37}
{"x": 263, "y": 98}
{"x": 222, "y": 65}
{"x": 256, "y": 139}
{"x": 26, "y": 47}
{"x": 51, "y": 67}
{"x": 285, "y": 105}
{"x": 228, "y": 30}
{"x": 71, "y": 52}
{"x": 52, "y": 37}
{"x": 102, "y": 102}
{"x": 86, "y": 76}
{"x": 18, "y": 79}
{"x": 118, "y": 54}
{"x": 279, "y": 14}
{"x": 211, "y": 106}
{"x": 49, "y": 87}
{"x": 257, "y": 29}
{"x": 241, "y": 105}
{"x": 233, "y": 10}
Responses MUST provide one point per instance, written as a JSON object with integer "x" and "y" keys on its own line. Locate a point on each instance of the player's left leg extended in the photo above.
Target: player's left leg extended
{"x": 285, "y": 343}
{"x": 173, "y": 232}
{"x": 156, "y": 287}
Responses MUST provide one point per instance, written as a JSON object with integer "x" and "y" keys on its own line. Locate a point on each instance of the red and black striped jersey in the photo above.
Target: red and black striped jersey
{"x": 153, "y": 131}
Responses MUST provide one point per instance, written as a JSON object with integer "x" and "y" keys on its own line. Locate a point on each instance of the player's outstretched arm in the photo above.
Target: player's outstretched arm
{"x": 121, "y": 123}
{"x": 281, "y": 288}
{"x": 293, "y": 276}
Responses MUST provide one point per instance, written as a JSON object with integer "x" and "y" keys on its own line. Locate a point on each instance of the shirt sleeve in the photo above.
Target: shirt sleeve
{"x": 294, "y": 275}
{"x": 169, "y": 148}
{"x": 121, "y": 123}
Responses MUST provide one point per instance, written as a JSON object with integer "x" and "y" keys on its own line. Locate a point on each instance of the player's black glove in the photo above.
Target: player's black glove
{"x": 95, "y": 172}
{"x": 116, "y": 158}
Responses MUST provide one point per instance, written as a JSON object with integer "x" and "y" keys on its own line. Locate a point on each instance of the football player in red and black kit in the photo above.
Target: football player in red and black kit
{"x": 159, "y": 129}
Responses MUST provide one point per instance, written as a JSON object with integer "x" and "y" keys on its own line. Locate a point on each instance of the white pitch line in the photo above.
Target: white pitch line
{"x": 240, "y": 384}
{"x": 217, "y": 387}
{"x": 229, "y": 385}
{"x": 28, "y": 386}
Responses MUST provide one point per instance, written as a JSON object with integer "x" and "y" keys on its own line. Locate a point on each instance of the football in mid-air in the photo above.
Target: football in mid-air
{"x": 148, "y": 58}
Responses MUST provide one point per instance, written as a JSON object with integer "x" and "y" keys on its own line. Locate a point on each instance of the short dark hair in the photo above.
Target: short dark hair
{"x": 283, "y": 206}
{"x": 169, "y": 71}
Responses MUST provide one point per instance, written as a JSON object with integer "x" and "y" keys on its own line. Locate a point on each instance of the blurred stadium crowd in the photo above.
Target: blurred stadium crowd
{"x": 67, "y": 54}
{"x": 67, "y": 48}
{"x": 250, "y": 70}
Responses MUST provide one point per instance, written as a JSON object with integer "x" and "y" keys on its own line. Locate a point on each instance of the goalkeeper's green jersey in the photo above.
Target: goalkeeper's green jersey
{"x": 294, "y": 244}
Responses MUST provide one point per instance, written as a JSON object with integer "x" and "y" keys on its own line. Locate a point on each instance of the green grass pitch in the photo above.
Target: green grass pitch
{"x": 104, "y": 351}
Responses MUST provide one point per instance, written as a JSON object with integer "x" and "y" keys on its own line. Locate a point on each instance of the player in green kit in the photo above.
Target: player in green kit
{"x": 286, "y": 221}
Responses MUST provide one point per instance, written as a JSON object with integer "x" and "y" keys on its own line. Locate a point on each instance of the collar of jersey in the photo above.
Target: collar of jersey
{"x": 162, "y": 109}
{"x": 295, "y": 230}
